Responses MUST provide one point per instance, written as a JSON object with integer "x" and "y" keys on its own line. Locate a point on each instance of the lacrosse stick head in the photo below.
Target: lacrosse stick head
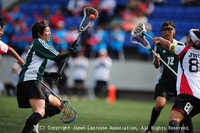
{"x": 87, "y": 21}
{"x": 69, "y": 114}
{"x": 138, "y": 37}
{"x": 138, "y": 30}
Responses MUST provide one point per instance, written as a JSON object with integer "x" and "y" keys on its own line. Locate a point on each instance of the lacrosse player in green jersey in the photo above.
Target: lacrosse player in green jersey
{"x": 30, "y": 91}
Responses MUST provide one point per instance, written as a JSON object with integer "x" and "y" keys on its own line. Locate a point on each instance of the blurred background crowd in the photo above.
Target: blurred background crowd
{"x": 110, "y": 32}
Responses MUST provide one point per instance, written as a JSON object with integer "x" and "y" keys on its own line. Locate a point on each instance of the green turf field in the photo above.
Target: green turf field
{"x": 94, "y": 116}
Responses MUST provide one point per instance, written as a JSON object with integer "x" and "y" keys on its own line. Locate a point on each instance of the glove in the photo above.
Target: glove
{"x": 52, "y": 75}
{"x": 55, "y": 76}
{"x": 74, "y": 47}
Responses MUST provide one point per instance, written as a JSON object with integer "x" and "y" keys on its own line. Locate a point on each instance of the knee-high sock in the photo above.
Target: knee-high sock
{"x": 173, "y": 127}
{"x": 51, "y": 111}
{"x": 154, "y": 116}
{"x": 188, "y": 123}
{"x": 31, "y": 121}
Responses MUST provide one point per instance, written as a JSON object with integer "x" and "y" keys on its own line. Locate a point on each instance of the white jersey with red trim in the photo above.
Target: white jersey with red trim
{"x": 188, "y": 79}
{"x": 3, "y": 48}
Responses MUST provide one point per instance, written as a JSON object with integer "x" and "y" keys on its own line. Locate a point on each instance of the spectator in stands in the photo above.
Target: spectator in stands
{"x": 102, "y": 40}
{"x": 145, "y": 54}
{"x": 146, "y": 6}
{"x": 21, "y": 36}
{"x": 132, "y": 5}
{"x": 55, "y": 18}
{"x": 106, "y": 9}
{"x": 59, "y": 37}
{"x": 102, "y": 65}
{"x": 80, "y": 64}
{"x": 116, "y": 42}
{"x": 74, "y": 8}
{"x": 10, "y": 86}
{"x": 44, "y": 16}
{"x": 128, "y": 17}
{"x": 87, "y": 40}
{"x": 16, "y": 13}
{"x": 71, "y": 36}
{"x": 140, "y": 17}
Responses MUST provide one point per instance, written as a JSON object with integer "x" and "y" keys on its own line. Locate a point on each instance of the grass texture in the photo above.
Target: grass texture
{"x": 94, "y": 116}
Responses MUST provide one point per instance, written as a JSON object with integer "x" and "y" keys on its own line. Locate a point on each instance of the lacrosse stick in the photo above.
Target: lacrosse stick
{"x": 69, "y": 114}
{"x": 138, "y": 36}
{"x": 90, "y": 14}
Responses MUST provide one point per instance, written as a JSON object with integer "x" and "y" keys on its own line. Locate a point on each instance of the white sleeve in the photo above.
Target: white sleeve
{"x": 3, "y": 47}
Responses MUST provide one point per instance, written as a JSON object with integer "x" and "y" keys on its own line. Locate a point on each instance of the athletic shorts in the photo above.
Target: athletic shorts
{"x": 187, "y": 104}
{"x": 166, "y": 90}
{"x": 31, "y": 89}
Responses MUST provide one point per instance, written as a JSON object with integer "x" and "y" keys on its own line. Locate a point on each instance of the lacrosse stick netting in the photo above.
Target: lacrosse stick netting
{"x": 86, "y": 21}
{"x": 69, "y": 114}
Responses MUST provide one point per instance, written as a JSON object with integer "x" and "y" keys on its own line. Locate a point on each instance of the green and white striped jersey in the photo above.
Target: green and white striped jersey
{"x": 165, "y": 74}
{"x": 36, "y": 60}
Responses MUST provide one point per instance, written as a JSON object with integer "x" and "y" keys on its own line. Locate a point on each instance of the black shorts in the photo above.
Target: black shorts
{"x": 166, "y": 90}
{"x": 187, "y": 104}
{"x": 31, "y": 89}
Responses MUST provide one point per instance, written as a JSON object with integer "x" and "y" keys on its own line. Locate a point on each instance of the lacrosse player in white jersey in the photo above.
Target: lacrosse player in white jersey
{"x": 188, "y": 79}
{"x": 30, "y": 93}
{"x": 165, "y": 88}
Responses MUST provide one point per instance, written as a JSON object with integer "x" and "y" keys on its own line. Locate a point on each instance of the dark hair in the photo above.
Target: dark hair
{"x": 197, "y": 33}
{"x": 168, "y": 23}
{"x": 38, "y": 28}
{"x": 1, "y": 22}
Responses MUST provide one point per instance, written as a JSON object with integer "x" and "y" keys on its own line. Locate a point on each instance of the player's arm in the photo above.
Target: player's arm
{"x": 64, "y": 55}
{"x": 164, "y": 43}
{"x": 12, "y": 52}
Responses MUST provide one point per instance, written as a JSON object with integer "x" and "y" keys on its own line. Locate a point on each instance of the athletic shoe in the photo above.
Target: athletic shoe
{"x": 147, "y": 131}
{"x": 35, "y": 129}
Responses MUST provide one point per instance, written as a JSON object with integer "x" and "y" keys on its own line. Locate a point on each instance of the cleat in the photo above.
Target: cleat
{"x": 35, "y": 129}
